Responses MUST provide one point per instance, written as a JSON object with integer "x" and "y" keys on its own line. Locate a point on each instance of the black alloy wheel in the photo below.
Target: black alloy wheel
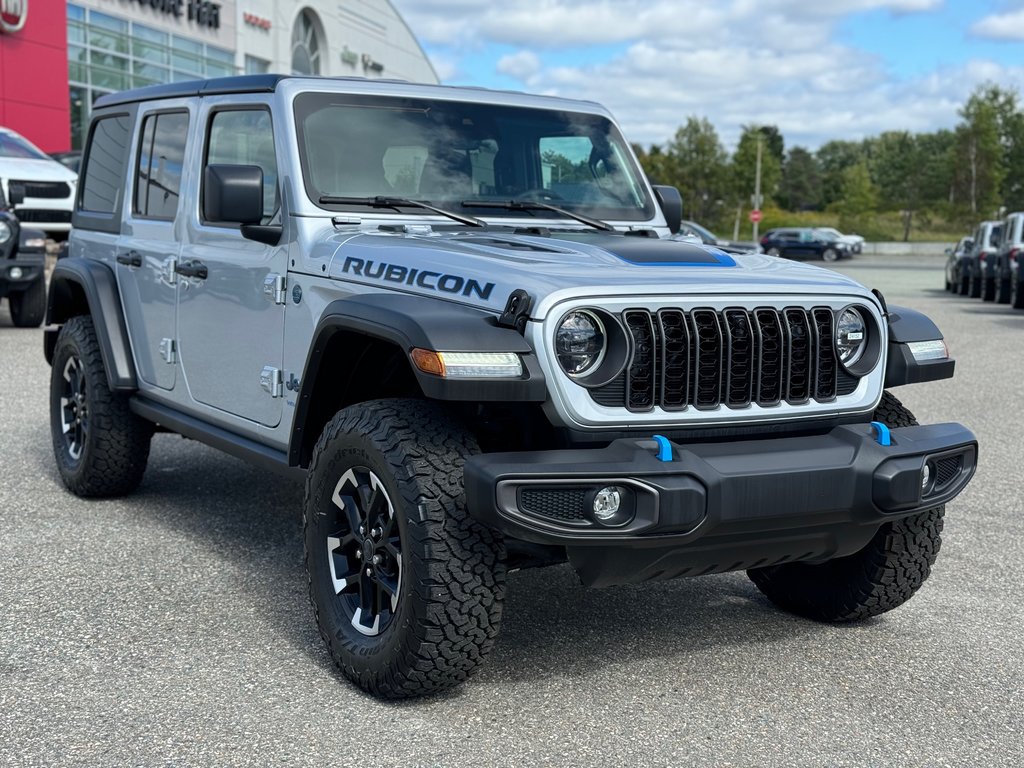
{"x": 74, "y": 409}
{"x": 364, "y": 551}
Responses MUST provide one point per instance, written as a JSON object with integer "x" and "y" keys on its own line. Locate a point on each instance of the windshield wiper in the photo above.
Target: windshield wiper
{"x": 536, "y": 205}
{"x": 400, "y": 202}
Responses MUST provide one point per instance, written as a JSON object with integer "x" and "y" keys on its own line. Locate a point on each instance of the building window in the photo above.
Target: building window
{"x": 106, "y": 54}
{"x": 307, "y": 44}
{"x": 256, "y": 66}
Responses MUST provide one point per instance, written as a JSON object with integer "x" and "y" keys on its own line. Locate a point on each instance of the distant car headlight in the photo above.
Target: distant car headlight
{"x": 851, "y": 336}
{"x": 580, "y": 342}
{"x": 5, "y": 232}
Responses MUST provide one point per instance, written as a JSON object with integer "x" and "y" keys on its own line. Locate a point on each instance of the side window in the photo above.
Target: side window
{"x": 103, "y": 176}
{"x": 246, "y": 137}
{"x": 161, "y": 158}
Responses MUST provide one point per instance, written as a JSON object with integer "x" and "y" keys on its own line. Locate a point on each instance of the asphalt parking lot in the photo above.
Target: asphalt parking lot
{"x": 173, "y": 628}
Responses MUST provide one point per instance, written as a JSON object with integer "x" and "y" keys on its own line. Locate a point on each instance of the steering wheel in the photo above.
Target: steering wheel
{"x": 538, "y": 194}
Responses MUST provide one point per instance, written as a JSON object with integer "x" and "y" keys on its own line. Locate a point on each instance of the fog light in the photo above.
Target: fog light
{"x": 15, "y": 273}
{"x": 606, "y": 503}
{"x": 926, "y": 476}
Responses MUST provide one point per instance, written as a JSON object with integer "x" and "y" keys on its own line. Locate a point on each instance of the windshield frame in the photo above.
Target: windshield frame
{"x": 636, "y": 203}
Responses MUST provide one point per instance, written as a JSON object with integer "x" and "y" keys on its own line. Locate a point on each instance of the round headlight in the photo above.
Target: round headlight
{"x": 851, "y": 336}
{"x": 580, "y": 342}
{"x": 5, "y": 232}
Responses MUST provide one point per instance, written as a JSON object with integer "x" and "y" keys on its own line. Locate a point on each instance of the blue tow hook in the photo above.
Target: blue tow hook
{"x": 883, "y": 436}
{"x": 664, "y": 448}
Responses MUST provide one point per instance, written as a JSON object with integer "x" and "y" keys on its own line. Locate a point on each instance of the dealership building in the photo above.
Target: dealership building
{"x": 57, "y": 57}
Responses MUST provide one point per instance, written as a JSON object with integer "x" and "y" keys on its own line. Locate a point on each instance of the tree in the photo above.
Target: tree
{"x": 800, "y": 182}
{"x": 979, "y": 154}
{"x": 898, "y": 171}
{"x": 859, "y": 196}
{"x": 834, "y": 157}
{"x": 744, "y": 163}
{"x": 700, "y": 163}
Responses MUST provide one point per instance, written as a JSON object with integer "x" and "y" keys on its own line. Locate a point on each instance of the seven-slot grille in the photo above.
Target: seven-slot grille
{"x": 706, "y": 358}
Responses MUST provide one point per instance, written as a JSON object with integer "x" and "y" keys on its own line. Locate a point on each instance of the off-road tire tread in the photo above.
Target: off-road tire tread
{"x": 1016, "y": 295}
{"x": 115, "y": 455}
{"x": 459, "y": 583}
{"x": 28, "y": 308}
{"x": 882, "y": 576}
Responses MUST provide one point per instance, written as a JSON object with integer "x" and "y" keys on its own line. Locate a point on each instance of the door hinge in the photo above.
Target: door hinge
{"x": 274, "y": 287}
{"x": 272, "y": 381}
{"x": 169, "y": 275}
{"x": 169, "y": 351}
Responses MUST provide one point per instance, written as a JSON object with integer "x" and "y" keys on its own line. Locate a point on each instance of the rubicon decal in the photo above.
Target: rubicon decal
{"x": 422, "y": 278}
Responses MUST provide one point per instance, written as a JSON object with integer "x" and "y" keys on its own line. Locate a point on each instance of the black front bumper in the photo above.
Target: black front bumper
{"x": 719, "y": 506}
{"x": 31, "y": 265}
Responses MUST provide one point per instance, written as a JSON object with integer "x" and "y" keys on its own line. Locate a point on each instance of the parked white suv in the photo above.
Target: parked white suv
{"x": 47, "y": 187}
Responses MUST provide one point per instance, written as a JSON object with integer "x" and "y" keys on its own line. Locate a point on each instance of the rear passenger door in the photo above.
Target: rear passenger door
{"x": 231, "y": 330}
{"x": 149, "y": 245}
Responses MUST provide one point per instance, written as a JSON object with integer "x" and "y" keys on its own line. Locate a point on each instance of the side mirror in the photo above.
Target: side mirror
{"x": 233, "y": 194}
{"x": 15, "y": 194}
{"x": 671, "y": 203}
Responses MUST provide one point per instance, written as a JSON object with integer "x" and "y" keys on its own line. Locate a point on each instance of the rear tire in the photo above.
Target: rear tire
{"x": 988, "y": 289}
{"x": 406, "y": 587}
{"x": 101, "y": 447}
{"x": 829, "y": 254}
{"x": 880, "y": 577}
{"x": 773, "y": 251}
{"x": 973, "y": 286}
{"x": 1003, "y": 290}
{"x": 1016, "y": 294}
{"x": 29, "y": 307}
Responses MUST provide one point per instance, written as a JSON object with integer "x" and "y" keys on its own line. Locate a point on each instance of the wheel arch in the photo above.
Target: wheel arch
{"x": 360, "y": 351}
{"x": 86, "y": 287}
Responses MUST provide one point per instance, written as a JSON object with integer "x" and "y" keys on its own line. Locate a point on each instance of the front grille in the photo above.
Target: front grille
{"x": 42, "y": 216}
{"x": 733, "y": 357}
{"x": 54, "y": 190}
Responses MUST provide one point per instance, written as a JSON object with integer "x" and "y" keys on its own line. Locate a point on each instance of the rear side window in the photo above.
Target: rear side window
{"x": 246, "y": 137}
{"x": 103, "y": 177}
{"x": 158, "y": 171}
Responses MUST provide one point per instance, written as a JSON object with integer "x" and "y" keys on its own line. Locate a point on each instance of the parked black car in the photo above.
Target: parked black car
{"x": 22, "y": 267}
{"x": 954, "y": 264}
{"x": 978, "y": 275}
{"x": 804, "y": 243}
{"x": 1011, "y": 243}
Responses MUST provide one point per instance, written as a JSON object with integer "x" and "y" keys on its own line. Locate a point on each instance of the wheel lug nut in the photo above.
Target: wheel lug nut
{"x": 376, "y": 532}
{"x": 362, "y": 530}
{"x": 359, "y": 554}
{"x": 369, "y": 571}
{"x": 377, "y": 559}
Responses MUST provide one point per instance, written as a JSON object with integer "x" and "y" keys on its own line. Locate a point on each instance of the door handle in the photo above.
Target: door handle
{"x": 130, "y": 259}
{"x": 192, "y": 269}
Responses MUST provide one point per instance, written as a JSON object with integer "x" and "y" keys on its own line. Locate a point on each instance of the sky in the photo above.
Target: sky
{"x": 817, "y": 69}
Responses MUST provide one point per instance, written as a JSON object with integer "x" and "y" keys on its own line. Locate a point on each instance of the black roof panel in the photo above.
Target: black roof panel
{"x": 236, "y": 84}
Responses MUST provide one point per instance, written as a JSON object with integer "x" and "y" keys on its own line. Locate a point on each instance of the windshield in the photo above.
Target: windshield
{"x": 704, "y": 234}
{"x": 453, "y": 154}
{"x": 829, "y": 232}
{"x": 15, "y": 146}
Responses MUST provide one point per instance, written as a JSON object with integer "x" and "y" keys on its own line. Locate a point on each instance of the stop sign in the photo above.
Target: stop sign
{"x": 755, "y": 216}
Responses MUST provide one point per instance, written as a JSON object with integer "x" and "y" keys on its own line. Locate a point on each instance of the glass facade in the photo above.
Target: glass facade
{"x": 107, "y": 53}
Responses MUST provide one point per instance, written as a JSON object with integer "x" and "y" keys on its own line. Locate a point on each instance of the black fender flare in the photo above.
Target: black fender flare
{"x": 408, "y": 322}
{"x": 76, "y": 277}
{"x": 908, "y": 325}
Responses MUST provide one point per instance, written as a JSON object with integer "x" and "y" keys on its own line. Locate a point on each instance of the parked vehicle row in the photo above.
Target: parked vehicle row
{"x": 985, "y": 264}
{"x": 44, "y": 186}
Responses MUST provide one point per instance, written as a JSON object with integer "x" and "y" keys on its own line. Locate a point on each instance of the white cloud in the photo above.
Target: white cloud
{"x": 1000, "y": 26}
{"x": 522, "y": 65}
{"x": 735, "y": 62}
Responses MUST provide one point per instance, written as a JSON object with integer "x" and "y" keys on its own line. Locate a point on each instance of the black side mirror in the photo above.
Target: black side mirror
{"x": 15, "y": 194}
{"x": 671, "y": 203}
{"x": 233, "y": 194}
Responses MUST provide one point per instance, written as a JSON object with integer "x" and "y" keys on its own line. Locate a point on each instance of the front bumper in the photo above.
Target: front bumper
{"x": 719, "y": 506}
{"x": 31, "y": 267}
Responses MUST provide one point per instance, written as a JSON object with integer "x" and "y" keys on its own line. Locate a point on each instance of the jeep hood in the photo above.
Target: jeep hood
{"x": 482, "y": 267}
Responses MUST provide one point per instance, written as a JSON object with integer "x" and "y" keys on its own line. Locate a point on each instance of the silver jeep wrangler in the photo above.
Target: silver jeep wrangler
{"x": 460, "y": 315}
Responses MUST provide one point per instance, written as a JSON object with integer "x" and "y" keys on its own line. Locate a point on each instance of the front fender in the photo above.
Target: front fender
{"x": 907, "y": 326}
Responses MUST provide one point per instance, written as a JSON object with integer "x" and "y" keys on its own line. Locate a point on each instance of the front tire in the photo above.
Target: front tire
{"x": 1016, "y": 294}
{"x": 101, "y": 447}
{"x": 1002, "y": 290}
{"x": 29, "y": 307}
{"x": 773, "y": 251}
{"x": 880, "y": 577}
{"x": 406, "y": 587}
{"x": 988, "y": 289}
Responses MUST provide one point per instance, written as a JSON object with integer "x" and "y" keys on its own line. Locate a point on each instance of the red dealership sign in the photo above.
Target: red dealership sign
{"x": 12, "y": 15}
